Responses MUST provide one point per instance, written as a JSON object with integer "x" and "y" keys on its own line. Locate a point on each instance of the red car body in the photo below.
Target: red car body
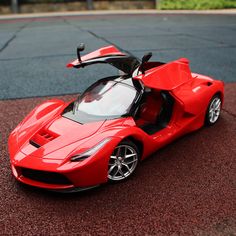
{"x": 42, "y": 145}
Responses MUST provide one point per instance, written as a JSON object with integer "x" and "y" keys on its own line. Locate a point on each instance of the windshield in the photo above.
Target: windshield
{"x": 105, "y": 99}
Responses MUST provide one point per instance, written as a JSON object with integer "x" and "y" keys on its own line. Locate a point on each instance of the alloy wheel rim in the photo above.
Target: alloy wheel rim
{"x": 214, "y": 110}
{"x": 123, "y": 162}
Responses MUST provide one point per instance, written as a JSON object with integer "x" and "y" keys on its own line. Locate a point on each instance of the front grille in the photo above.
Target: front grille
{"x": 45, "y": 176}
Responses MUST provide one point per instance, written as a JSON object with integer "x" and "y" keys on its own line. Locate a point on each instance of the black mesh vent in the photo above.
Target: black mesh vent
{"x": 45, "y": 176}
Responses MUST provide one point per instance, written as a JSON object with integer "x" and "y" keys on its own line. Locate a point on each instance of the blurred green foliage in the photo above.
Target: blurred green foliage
{"x": 196, "y": 4}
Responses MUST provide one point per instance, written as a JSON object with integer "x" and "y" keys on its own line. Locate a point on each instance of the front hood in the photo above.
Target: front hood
{"x": 61, "y": 133}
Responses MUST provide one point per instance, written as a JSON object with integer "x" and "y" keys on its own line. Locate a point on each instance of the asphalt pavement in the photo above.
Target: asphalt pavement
{"x": 186, "y": 188}
{"x": 34, "y": 51}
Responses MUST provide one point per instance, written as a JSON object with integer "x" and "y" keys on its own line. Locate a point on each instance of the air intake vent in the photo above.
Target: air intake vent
{"x": 45, "y": 176}
{"x": 34, "y": 144}
{"x": 47, "y": 136}
{"x": 42, "y": 137}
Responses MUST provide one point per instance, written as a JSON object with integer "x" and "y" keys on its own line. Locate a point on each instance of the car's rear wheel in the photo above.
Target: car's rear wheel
{"x": 123, "y": 161}
{"x": 213, "y": 110}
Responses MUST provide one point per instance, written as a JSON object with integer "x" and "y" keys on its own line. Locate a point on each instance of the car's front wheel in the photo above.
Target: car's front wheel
{"x": 123, "y": 161}
{"x": 213, "y": 110}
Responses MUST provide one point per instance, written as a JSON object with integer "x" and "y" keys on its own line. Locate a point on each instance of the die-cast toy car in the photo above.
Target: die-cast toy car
{"x": 117, "y": 122}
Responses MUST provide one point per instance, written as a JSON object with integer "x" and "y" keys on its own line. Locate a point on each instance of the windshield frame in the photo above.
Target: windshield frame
{"x": 88, "y": 118}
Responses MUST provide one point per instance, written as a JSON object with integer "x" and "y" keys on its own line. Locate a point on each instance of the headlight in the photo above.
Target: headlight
{"x": 90, "y": 152}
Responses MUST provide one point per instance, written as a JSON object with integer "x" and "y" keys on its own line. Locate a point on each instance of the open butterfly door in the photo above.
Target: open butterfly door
{"x": 110, "y": 55}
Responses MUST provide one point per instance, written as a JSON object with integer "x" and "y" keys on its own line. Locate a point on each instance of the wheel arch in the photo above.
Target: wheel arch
{"x": 207, "y": 121}
{"x": 137, "y": 142}
{"x": 220, "y": 93}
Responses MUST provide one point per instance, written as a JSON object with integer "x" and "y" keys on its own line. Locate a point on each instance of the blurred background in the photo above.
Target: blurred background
{"x": 31, "y": 6}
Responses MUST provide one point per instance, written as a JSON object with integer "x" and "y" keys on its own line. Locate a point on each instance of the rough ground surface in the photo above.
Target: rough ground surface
{"x": 187, "y": 188}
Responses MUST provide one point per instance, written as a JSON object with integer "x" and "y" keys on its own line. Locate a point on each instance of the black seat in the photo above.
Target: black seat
{"x": 166, "y": 111}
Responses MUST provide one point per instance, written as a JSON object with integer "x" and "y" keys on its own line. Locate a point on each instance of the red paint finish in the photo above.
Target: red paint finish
{"x": 102, "y": 52}
{"x": 46, "y": 141}
{"x": 168, "y": 76}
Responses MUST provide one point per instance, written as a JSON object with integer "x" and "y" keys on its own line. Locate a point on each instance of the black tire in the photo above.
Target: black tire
{"x": 120, "y": 162}
{"x": 213, "y": 110}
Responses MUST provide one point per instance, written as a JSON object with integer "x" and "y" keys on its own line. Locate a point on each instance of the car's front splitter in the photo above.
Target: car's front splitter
{"x": 73, "y": 190}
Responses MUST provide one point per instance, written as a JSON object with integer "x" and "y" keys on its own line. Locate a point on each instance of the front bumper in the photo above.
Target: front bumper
{"x": 40, "y": 172}
{"x": 34, "y": 180}
{"x": 61, "y": 188}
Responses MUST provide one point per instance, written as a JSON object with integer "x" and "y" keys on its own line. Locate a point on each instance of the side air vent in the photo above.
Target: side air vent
{"x": 34, "y": 144}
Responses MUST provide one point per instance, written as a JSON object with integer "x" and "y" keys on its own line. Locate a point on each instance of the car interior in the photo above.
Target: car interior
{"x": 155, "y": 111}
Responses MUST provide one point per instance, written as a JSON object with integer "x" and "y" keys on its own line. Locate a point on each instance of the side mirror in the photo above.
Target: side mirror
{"x": 80, "y": 48}
{"x": 146, "y": 57}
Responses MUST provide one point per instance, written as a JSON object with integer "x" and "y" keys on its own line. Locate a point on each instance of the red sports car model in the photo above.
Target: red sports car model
{"x": 117, "y": 122}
